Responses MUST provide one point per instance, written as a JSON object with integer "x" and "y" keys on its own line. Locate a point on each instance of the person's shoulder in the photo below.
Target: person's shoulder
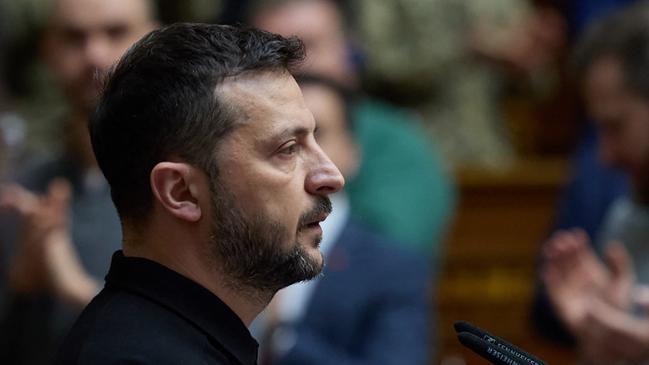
{"x": 120, "y": 327}
{"x": 368, "y": 245}
{"x": 374, "y": 266}
{"x": 395, "y": 137}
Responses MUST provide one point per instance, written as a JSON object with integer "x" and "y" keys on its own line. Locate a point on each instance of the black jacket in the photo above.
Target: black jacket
{"x": 149, "y": 314}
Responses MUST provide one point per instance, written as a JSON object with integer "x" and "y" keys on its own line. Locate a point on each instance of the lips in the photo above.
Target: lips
{"x": 319, "y": 213}
{"x": 316, "y": 221}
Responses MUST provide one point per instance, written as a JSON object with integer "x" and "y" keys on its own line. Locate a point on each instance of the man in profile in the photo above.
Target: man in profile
{"x": 399, "y": 164}
{"x": 308, "y": 323}
{"x": 209, "y": 150}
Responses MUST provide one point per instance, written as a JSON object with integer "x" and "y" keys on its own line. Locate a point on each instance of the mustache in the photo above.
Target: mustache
{"x": 322, "y": 206}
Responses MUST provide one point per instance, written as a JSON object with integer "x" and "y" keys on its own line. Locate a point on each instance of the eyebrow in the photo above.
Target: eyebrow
{"x": 295, "y": 131}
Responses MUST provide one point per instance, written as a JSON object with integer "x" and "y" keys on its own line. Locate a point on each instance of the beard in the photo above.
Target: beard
{"x": 252, "y": 251}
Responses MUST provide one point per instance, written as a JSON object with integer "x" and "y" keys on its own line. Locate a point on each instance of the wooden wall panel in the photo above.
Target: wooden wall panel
{"x": 488, "y": 268}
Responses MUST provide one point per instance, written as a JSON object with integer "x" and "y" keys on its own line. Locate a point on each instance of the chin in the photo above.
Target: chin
{"x": 319, "y": 258}
{"x": 313, "y": 250}
{"x": 309, "y": 242}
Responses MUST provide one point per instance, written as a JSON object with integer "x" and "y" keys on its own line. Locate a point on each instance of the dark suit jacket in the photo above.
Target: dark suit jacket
{"x": 371, "y": 306}
{"x": 149, "y": 314}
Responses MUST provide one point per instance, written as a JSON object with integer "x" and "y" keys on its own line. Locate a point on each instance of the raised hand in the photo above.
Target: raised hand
{"x": 45, "y": 258}
{"x": 574, "y": 276}
{"x": 613, "y": 336}
{"x": 40, "y": 216}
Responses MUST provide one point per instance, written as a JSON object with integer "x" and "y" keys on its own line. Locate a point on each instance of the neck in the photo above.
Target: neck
{"x": 191, "y": 262}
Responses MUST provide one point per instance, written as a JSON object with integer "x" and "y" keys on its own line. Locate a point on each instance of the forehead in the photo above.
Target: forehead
{"x": 266, "y": 103}
{"x": 301, "y": 18}
{"x": 87, "y": 14}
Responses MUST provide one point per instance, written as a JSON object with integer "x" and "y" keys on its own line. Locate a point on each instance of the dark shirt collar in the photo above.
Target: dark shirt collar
{"x": 187, "y": 299}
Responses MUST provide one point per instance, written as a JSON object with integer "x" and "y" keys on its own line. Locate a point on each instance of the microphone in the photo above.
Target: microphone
{"x": 486, "y": 350}
{"x": 492, "y": 348}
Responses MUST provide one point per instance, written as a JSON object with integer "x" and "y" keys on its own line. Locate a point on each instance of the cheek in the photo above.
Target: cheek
{"x": 283, "y": 203}
{"x": 278, "y": 202}
{"x": 642, "y": 152}
{"x": 262, "y": 189}
{"x": 636, "y": 140}
{"x": 69, "y": 66}
{"x": 631, "y": 150}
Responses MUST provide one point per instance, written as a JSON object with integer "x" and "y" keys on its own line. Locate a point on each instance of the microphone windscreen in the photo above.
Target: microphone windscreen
{"x": 462, "y": 326}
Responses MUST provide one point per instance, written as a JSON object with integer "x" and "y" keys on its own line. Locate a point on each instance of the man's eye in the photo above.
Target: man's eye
{"x": 290, "y": 149}
{"x": 117, "y": 31}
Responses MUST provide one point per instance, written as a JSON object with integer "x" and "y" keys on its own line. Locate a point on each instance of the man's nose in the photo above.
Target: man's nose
{"x": 324, "y": 178}
{"x": 98, "y": 53}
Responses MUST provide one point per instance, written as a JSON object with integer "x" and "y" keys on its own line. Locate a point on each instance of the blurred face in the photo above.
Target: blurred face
{"x": 318, "y": 24}
{"x": 86, "y": 37}
{"x": 272, "y": 188}
{"x": 622, "y": 119}
{"x": 333, "y": 133}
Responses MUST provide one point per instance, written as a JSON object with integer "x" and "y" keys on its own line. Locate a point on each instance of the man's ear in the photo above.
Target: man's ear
{"x": 175, "y": 187}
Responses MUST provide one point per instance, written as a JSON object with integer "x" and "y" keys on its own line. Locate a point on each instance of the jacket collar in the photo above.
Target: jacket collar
{"x": 187, "y": 299}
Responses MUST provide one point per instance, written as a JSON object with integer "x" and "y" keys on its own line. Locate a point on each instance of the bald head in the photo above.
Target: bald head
{"x": 84, "y": 38}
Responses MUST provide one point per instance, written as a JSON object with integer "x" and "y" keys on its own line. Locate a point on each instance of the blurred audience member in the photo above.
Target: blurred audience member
{"x": 400, "y": 189}
{"x": 384, "y": 317}
{"x": 593, "y": 185}
{"x": 452, "y": 60}
{"x": 59, "y": 225}
{"x": 592, "y": 189}
{"x": 595, "y": 303}
{"x": 597, "y": 299}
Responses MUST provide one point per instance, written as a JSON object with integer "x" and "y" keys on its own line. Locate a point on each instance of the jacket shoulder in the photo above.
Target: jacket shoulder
{"x": 120, "y": 327}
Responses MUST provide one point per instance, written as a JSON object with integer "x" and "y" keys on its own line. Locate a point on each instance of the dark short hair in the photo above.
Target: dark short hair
{"x": 346, "y": 95}
{"x": 623, "y": 35}
{"x": 161, "y": 102}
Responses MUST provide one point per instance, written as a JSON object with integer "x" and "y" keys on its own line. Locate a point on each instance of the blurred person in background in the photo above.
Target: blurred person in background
{"x": 384, "y": 317}
{"x": 454, "y": 62}
{"x": 401, "y": 188}
{"x": 593, "y": 186}
{"x": 64, "y": 200}
{"x": 596, "y": 301}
